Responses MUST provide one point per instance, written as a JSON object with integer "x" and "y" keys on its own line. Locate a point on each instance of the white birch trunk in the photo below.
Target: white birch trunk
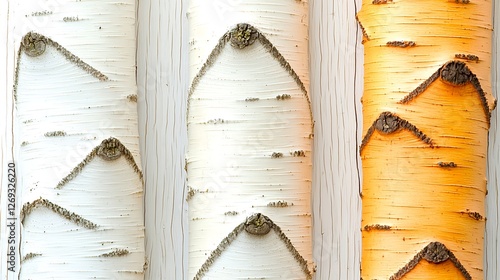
{"x": 249, "y": 141}
{"x": 75, "y": 141}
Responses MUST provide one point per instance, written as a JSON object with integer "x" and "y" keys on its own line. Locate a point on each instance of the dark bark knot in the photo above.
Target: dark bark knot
{"x": 109, "y": 149}
{"x": 387, "y": 123}
{"x": 436, "y": 252}
{"x": 456, "y": 73}
{"x": 34, "y": 44}
{"x": 258, "y": 224}
{"x": 243, "y": 35}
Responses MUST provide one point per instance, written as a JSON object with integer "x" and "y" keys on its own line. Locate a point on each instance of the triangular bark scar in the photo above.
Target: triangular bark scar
{"x": 434, "y": 252}
{"x": 34, "y": 44}
{"x": 257, "y": 224}
{"x": 109, "y": 149}
{"x": 41, "y": 202}
{"x": 455, "y": 73}
{"x": 239, "y": 37}
{"x": 388, "y": 123}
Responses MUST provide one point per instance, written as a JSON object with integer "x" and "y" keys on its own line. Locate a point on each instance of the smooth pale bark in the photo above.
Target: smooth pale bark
{"x": 336, "y": 86}
{"x": 5, "y": 111}
{"x": 162, "y": 79}
{"x": 249, "y": 141}
{"x": 492, "y": 236}
{"x": 74, "y": 140}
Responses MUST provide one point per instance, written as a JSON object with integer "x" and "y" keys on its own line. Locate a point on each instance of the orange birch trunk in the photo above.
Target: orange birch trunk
{"x": 426, "y": 104}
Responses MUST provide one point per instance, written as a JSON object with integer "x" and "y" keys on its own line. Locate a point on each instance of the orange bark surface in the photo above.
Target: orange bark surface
{"x": 444, "y": 271}
{"x": 424, "y": 179}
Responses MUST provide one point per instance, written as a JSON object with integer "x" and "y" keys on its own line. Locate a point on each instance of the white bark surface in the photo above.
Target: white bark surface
{"x": 336, "y": 88}
{"x": 79, "y": 203}
{"x": 5, "y": 111}
{"x": 492, "y": 237}
{"x": 249, "y": 138}
{"x": 163, "y": 80}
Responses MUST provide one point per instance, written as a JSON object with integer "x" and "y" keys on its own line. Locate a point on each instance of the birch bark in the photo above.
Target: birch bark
{"x": 163, "y": 84}
{"x": 427, "y": 104}
{"x": 249, "y": 141}
{"x": 74, "y": 140}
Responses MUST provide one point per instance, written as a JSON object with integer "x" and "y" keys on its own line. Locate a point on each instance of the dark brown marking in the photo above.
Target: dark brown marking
{"x": 401, "y": 44}
{"x": 109, "y": 149}
{"x": 277, "y": 155}
{"x": 28, "y": 207}
{"x": 421, "y": 88}
{"x": 447, "y": 164}
{"x": 388, "y": 123}
{"x": 363, "y": 30}
{"x": 268, "y": 46}
{"x": 474, "y": 215}
{"x": 30, "y": 256}
{"x": 115, "y": 253}
{"x": 434, "y": 252}
{"x": 299, "y": 153}
{"x": 253, "y": 221}
{"x": 279, "y": 204}
{"x": 283, "y": 97}
{"x": 455, "y": 73}
{"x": 258, "y": 224}
{"x": 243, "y": 35}
{"x": 132, "y": 97}
{"x": 377, "y": 227}
{"x": 469, "y": 57}
{"x": 34, "y": 44}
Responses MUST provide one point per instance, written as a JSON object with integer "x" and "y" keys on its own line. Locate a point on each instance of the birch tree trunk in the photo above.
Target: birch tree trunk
{"x": 74, "y": 139}
{"x": 249, "y": 141}
{"x": 427, "y": 104}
